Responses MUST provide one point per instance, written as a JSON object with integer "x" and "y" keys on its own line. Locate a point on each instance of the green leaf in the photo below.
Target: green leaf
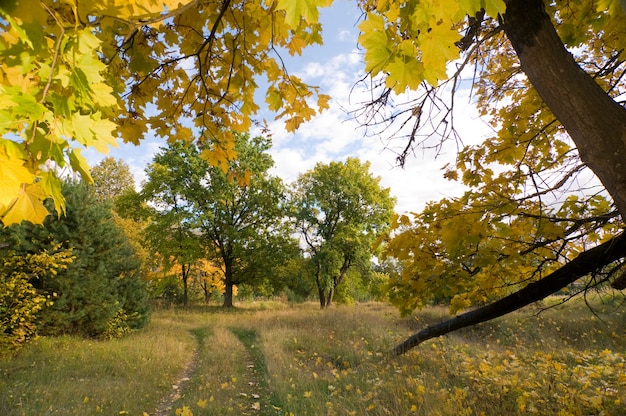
{"x": 376, "y": 43}
{"x": 438, "y": 48}
{"x": 90, "y": 130}
{"x": 79, "y": 164}
{"x": 21, "y": 33}
{"x": 404, "y": 73}
{"x": 51, "y": 186}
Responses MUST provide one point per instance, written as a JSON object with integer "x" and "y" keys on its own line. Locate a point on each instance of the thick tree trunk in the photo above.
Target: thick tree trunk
{"x": 594, "y": 121}
{"x": 228, "y": 285}
{"x": 322, "y": 296}
{"x": 596, "y": 124}
{"x": 582, "y": 265}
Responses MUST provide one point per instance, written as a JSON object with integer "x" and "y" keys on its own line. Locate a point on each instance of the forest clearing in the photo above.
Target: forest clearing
{"x": 270, "y": 358}
{"x": 272, "y": 175}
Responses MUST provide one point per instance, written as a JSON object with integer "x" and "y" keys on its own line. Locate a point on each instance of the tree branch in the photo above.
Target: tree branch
{"x": 582, "y": 265}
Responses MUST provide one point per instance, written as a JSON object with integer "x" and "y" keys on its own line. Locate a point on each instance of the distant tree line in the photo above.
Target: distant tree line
{"x": 195, "y": 231}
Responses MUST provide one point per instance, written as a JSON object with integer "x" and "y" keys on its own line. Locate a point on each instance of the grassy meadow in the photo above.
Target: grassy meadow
{"x": 277, "y": 359}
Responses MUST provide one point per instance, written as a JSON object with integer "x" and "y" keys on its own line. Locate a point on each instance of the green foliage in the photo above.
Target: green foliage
{"x": 112, "y": 179}
{"x": 100, "y": 293}
{"x": 339, "y": 209}
{"x": 20, "y": 302}
{"x": 230, "y": 216}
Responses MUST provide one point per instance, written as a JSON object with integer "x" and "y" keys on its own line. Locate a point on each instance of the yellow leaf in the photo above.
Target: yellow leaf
{"x": 376, "y": 43}
{"x": 13, "y": 175}
{"x": 438, "y": 48}
{"x": 404, "y": 73}
{"x": 301, "y": 9}
{"x": 28, "y": 206}
{"x": 494, "y": 7}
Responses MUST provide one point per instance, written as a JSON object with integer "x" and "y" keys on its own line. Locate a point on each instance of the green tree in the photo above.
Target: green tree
{"x": 171, "y": 231}
{"x": 234, "y": 211}
{"x": 112, "y": 179}
{"x": 114, "y": 184}
{"x": 340, "y": 210}
{"x": 100, "y": 293}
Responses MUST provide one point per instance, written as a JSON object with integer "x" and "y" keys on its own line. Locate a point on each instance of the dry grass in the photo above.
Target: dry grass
{"x": 270, "y": 359}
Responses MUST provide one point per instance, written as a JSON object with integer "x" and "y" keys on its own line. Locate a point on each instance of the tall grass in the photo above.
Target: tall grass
{"x": 73, "y": 376}
{"x": 270, "y": 359}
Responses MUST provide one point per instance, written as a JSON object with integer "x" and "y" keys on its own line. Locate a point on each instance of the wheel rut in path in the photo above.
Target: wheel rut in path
{"x": 264, "y": 401}
{"x": 166, "y": 404}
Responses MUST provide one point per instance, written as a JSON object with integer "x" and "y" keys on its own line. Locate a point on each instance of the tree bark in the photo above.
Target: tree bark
{"x": 582, "y": 265}
{"x": 228, "y": 283}
{"x": 595, "y": 122}
{"x": 185, "y": 271}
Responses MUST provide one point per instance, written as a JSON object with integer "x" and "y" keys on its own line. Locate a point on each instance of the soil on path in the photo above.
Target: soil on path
{"x": 257, "y": 399}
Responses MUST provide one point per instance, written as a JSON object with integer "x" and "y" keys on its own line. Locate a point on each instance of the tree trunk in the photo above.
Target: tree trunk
{"x": 228, "y": 284}
{"x": 322, "y": 296}
{"x": 329, "y": 298}
{"x": 582, "y": 265}
{"x": 228, "y": 294}
{"x": 596, "y": 124}
{"x": 185, "y": 270}
{"x": 208, "y": 291}
{"x": 320, "y": 287}
{"x": 594, "y": 121}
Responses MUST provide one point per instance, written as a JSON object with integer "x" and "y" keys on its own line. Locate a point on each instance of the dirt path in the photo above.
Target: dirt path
{"x": 264, "y": 401}
{"x": 166, "y": 404}
{"x": 257, "y": 399}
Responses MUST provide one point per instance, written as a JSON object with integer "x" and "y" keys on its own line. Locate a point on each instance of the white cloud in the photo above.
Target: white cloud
{"x": 335, "y": 135}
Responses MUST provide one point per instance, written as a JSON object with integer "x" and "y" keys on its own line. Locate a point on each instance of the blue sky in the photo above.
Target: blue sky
{"x": 334, "y": 135}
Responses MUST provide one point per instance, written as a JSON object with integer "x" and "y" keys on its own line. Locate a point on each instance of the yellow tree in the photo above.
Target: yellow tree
{"x": 209, "y": 278}
{"x": 82, "y": 73}
{"x": 548, "y": 77}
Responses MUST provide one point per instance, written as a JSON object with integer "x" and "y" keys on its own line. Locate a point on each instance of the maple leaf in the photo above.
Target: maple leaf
{"x": 79, "y": 164}
{"x": 28, "y": 205}
{"x": 494, "y": 7}
{"x": 438, "y": 48}
{"x": 469, "y": 6}
{"x": 404, "y": 73}
{"x": 13, "y": 175}
{"x": 301, "y": 9}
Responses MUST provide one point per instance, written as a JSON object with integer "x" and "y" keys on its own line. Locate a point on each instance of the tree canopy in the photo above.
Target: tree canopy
{"x": 120, "y": 68}
{"x": 340, "y": 210}
{"x": 233, "y": 217}
{"x": 547, "y": 77}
